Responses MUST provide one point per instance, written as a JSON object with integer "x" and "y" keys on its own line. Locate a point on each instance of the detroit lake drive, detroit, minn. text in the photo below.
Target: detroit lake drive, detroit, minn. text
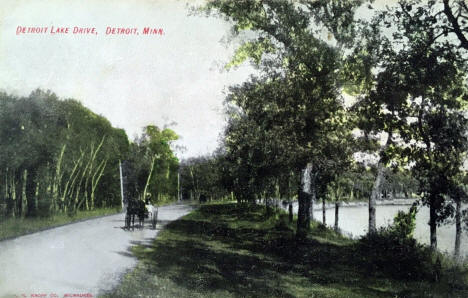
{"x": 75, "y": 30}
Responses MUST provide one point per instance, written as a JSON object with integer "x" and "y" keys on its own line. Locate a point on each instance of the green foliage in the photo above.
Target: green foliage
{"x": 389, "y": 252}
{"x": 254, "y": 50}
{"x": 393, "y": 250}
{"x": 151, "y": 168}
{"x": 203, "y": 178}
{"x": 56, "y": 156}
{"x": 404, "y": 223}
{"x": 408, "y": 76}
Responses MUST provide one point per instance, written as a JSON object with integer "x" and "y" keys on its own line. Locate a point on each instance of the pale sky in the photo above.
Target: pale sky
{"x": 132, "y": 80}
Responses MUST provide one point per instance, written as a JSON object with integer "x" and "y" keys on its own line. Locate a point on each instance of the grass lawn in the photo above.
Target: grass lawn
{"x": 13, "y": 227}
{"x": 226, "y": 250}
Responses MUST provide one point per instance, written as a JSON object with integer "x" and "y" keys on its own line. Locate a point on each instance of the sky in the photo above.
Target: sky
{"x": 132, "y": 80}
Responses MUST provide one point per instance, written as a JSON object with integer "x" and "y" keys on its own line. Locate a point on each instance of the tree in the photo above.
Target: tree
{"x": 202, "y": 177}
{"x": 55, "y": 155}
{"x": 339, "y": 190}
{"x": 421, "y": 84}
{"x": 301, "y": 69}
{"x": 152, "y": 168}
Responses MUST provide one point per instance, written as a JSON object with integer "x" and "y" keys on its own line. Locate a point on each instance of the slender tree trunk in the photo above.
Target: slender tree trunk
{"x": 77, "y": 201}
{"x": 45, "y": 191}
{"x": 57, "y": 181}
{"x": 95, "y": 180}
{"x": 324, "y": 215}
{"x": 304, "y": 199}
{"x": 153, "y": 161}
{"x": 373, "y": 198}
{"x": 12, "y": 195}
{"x": 337, "y": 207}
{"x": 37, "y": 191}
{"x": 376, "y": 188}
{"x": 433, "y": 227}
{"x": 25, "y": 205}
{"x": 290, "y": 210}
{"x": 195, "y": 188}
{"x": 6, "y": 183}
{"x": 458, "y": 230}
{"x": 290, "y": 204}
{"x": 70, "y": 184}
{"x": 313, "y": 197}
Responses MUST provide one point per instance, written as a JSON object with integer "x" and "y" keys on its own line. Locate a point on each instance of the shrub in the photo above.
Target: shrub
{"x": 404, "y": 223}
{"x": 393, "y": 250}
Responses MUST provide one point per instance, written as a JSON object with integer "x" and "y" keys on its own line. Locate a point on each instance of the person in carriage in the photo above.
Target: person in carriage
{"x": 151, "y": 211}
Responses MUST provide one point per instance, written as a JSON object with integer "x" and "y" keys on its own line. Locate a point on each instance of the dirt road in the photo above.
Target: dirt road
{"x": 77, "y": 260}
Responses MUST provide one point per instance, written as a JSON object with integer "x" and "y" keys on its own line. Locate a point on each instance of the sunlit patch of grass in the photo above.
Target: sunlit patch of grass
{"x": 230, "y": 250}
{"x": 14, "y": 227}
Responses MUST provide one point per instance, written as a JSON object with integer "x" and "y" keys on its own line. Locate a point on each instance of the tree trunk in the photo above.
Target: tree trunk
{"x": 304, "y": 198}
{"x": 70, "y": 184}
{"x": 324, "y": 215}
{"x": 373, "y": 198}
{"x": 12, "y": 195}
{"x": 95, "y": 180}
{"x": 376, "y": 188}
{"x": 433, "y": 227}
{"x": 303, "y": 221}
{"x": 30, "y": 178}
{"x": 17, "y": 193}
{"x": 26, "y": 205}
{"x": 57, "y": 181}
{"x": 153, "y": 160}
{"x": 337, "y": 206}
{"x": 458, "y": 230}
{"x": 313, "y": 198}
{"x": 290, "y": 209}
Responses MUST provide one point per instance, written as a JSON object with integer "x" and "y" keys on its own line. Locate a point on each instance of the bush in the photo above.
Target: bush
{"x": 393, "y": 250}
{"x": 404, "y": 223}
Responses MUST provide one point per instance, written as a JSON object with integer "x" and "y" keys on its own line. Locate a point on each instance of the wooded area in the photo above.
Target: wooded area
{"x": 346, "y": 104}
{"x": 59, "y": 157}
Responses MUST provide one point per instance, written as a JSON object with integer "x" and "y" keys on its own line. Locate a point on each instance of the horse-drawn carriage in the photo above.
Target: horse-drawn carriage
{"x": 138, "y": 208}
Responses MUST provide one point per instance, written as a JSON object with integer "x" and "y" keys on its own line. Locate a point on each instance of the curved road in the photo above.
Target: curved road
{"x": 76, "y": 260}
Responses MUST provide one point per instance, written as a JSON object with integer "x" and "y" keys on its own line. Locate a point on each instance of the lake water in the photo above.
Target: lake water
{"x": 354, "y": 220}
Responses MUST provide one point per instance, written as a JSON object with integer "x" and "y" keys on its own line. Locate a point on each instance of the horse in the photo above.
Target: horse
{"x": 141, "y": 213}
{"x": 135, "y": 208}
{"x": 130, "y": 214}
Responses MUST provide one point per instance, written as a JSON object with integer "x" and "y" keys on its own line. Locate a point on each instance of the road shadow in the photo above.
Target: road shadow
{"x": 127, "y": 253}
{"x": 147, "y": 225}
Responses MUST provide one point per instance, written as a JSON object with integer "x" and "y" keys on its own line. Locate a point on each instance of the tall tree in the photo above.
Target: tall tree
{"x": 420, "y": 88}
{"x": 303, "y": 65}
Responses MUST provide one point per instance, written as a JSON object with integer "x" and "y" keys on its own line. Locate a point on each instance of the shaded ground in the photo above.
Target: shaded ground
{"x": 231, "y": 251}
{"x": 80, "y": 258}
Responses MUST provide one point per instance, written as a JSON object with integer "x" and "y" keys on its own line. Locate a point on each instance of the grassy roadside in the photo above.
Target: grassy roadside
{"x": 228, "y": 250}
{"x": 14, "y": 227}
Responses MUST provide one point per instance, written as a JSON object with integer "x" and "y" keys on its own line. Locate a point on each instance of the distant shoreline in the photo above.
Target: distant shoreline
{"x": 331, "y": 205}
